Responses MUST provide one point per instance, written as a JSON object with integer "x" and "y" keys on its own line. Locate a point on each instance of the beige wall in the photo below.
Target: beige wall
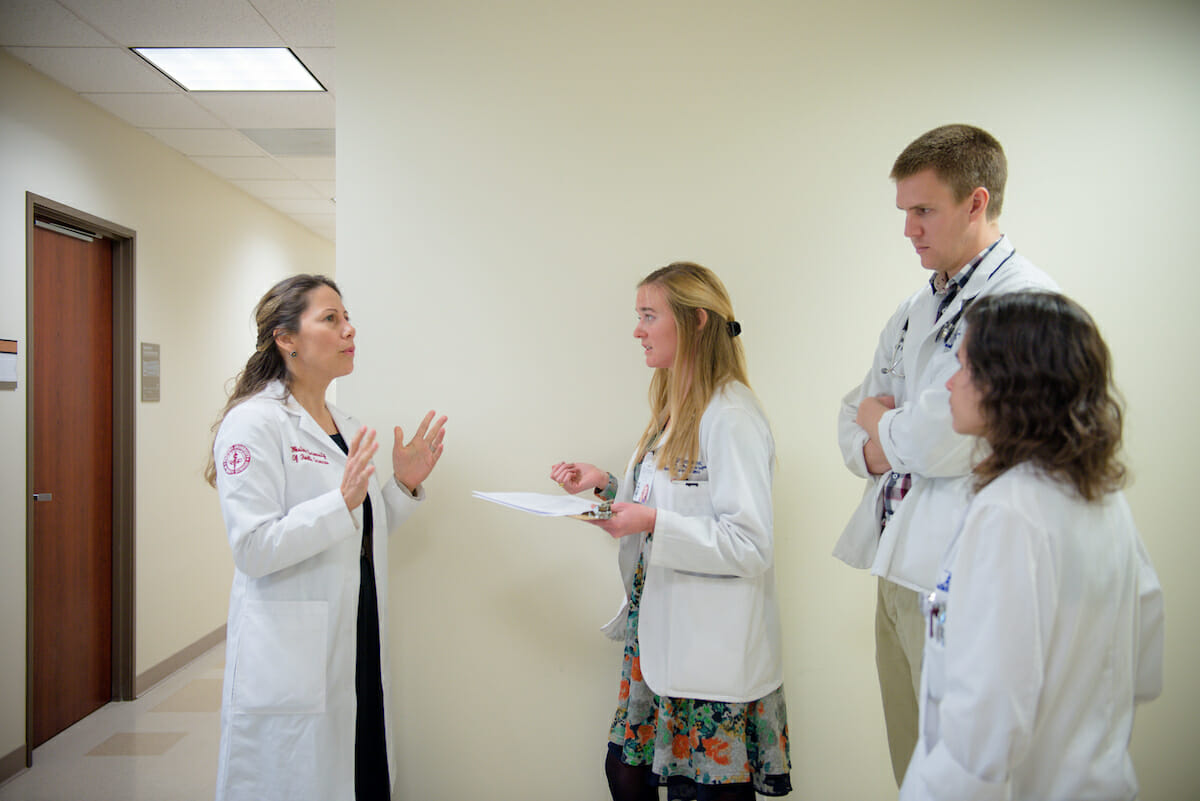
{"x": 205, "y": 253}
{"x": 507, "y": 173}
{"x": 506, "y": 176}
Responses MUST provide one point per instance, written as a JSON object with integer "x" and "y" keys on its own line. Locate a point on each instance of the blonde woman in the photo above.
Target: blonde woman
{"x": 701, "y": 706}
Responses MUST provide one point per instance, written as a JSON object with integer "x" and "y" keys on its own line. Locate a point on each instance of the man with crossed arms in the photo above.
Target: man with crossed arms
{"x": 894, "y": 429}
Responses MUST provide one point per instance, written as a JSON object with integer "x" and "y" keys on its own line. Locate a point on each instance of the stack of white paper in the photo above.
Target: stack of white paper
{"x": 538, "y": 503}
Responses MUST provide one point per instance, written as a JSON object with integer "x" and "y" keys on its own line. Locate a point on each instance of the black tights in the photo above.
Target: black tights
{"x": 629, "y": 782}
{"x": 637, "y": 783}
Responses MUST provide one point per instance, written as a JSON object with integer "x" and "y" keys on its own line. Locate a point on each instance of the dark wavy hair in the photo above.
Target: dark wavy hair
{"x": 1045, "y": 377}
{"x": 277, "y": 312}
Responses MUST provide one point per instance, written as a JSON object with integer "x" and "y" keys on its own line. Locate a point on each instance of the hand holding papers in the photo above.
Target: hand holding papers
{"x": 538, "y": 503}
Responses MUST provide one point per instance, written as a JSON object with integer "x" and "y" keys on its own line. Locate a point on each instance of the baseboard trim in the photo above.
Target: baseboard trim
{"x": 11, "y": 764}
{"x": 165, "y": 668}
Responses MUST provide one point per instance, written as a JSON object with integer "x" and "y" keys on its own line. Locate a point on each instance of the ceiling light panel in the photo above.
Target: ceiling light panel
{"x": 232, "y": 69}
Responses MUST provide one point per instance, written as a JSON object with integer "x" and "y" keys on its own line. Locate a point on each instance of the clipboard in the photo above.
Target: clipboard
{"x": 543, "y": 505}
{"x": 603, "y": 511}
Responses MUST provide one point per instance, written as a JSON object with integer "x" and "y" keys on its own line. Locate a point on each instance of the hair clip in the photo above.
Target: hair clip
{"x": 733, "y": 327}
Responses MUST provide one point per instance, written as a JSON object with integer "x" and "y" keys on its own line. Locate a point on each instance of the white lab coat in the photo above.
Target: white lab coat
{"x": 917, "y": 436}
{"x": 708, "y": 624}
{"x": 288, "y": 706}
{"x": 1053, "y": 629}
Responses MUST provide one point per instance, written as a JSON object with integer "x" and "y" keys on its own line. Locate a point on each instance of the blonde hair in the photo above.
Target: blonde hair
{"x": 707, "y": 356}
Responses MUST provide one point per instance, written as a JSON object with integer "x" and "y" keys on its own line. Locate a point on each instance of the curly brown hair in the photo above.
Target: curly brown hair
{"x": 1045, "y": 377}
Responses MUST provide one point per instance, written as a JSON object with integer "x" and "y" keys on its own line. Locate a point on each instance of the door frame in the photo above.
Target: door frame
{"x": 124, "y": 249}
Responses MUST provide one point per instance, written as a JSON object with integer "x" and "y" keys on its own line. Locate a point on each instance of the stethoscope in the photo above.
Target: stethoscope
{"x": 947, "y": 331}
{"x": 946, "y": 336}
{"x": 896, "y": 368}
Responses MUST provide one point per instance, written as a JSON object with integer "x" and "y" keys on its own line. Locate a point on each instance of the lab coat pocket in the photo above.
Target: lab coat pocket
{"x": 691, "y": 498}
{"x": 280, "y": 667}
{"x": 935, "y": 669}
{"x": 934, "y": 608}
{"x": 935, "y": 686}
{"x": 717, "y": 650}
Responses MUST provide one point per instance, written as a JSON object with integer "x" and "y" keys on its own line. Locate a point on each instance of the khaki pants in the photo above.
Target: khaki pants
{"x": 899, "y": 646}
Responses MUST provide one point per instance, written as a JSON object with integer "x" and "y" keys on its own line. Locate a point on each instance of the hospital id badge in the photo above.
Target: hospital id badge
{"x": 933, "y": 608}
{"x": 641, "y": 492}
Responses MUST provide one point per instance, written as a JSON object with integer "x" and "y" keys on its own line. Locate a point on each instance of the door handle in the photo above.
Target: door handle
{"x": 42, "y": 497}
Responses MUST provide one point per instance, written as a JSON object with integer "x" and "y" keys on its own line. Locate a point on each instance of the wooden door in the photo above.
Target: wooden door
{"x": 71, "y": 576}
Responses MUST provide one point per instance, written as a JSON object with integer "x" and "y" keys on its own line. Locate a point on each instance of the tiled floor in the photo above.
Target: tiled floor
{"x": 161, "y": 747}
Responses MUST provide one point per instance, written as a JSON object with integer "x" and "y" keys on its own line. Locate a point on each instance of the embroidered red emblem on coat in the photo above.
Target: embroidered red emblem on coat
{"x": 305, "y": 455}
{"x": 237, "y": 459}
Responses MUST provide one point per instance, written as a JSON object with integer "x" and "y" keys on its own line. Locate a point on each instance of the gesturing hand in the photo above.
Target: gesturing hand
{"x": 358, "y": 467}
{"x": 413, "y": 462}
{"x": 577, "y": 476}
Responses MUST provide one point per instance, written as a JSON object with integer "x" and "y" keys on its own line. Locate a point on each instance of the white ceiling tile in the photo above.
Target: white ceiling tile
{"x": 305, "y": 23}
{"x": 34, "y": 23}
{"x": 294, "y": 142}
{"x": 303, "y": 205}
{"x": 95, "y": 69}
{"x": 321, "y": 62}
{"x": 206, "y": 141}
{"x": 155, "y": 23}
{"x": 83, "y": 44}
{"x": 277, "y": 189}
{"x": 269, "y": 109}
{"x": 244, "y": 167}
{"x": 155, "y": 110}
{"x": 324, "y": 188}
{"x": 310, "y": 169}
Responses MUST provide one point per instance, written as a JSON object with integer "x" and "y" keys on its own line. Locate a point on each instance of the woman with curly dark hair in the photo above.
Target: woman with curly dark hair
{"x": 1046, "y": 626}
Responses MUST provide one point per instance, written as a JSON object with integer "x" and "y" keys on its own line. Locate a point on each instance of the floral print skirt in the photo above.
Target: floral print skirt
{"x": 687, "y": 741}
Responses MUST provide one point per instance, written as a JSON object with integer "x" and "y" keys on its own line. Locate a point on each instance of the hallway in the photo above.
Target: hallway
{"x": 160, "y": 747}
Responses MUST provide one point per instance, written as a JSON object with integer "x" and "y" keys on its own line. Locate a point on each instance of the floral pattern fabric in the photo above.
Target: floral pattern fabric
{"x": 695, "y": 742}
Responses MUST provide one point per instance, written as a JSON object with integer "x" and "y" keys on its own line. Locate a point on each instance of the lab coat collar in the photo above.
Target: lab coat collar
{"x": 993, "y": 259}
{"x": 999, "y": 255}
{"x": 307, "y": 424}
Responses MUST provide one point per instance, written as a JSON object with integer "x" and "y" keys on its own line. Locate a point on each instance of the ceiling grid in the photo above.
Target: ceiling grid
{"x": 276, "y": 146}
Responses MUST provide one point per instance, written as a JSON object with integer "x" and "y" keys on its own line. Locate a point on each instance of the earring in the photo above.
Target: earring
{"x": 293, "y": 354}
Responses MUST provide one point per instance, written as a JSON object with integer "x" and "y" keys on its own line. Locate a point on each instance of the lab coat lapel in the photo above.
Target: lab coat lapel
{"x": 983, "y": 273}
{"x": 987, "y": 269}
{"x": 309, "y": 427}
{"x": 347, "y": 425}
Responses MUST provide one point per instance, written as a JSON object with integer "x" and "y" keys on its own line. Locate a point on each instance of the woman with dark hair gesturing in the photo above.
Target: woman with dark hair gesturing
{"x": 304, "y": 707}
{"x": 1046, "y": 627}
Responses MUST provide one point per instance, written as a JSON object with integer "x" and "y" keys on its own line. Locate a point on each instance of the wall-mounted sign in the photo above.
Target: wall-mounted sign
{"x": 151, "y": 372}
{"x": 8, "y": 363}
